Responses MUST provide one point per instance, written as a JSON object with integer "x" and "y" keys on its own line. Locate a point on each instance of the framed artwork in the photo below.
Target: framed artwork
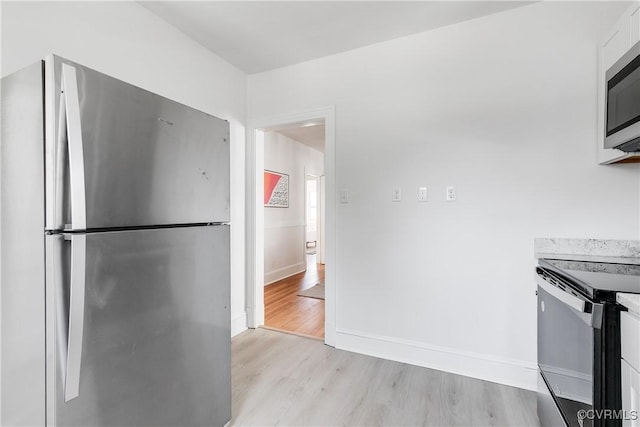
{"x": 276, "y": 189}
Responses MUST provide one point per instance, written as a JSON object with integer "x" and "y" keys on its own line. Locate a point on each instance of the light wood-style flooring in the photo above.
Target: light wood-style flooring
{"x": 287, "y": 380}
{"x": 285, "y": 310}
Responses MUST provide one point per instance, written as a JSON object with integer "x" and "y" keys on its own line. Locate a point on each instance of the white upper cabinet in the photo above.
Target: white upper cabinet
{"x": 634, "y": 24}
{"x": 616, "y": 43}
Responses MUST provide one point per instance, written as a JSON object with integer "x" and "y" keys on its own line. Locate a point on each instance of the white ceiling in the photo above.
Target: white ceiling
{"x": 309, "y": 134}
{"x": 256, "y": 36}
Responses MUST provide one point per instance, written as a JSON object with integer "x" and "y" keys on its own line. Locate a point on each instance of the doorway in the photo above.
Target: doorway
{"x": 256, "y": 213}
{"x": 293, "y": 280}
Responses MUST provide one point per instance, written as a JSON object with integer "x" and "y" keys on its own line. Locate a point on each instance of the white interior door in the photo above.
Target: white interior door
{"x": 321, "y": 219}
{"x": 311, "y": 211}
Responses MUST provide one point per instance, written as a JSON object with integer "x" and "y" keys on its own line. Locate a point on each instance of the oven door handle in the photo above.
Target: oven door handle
{"x": 592, "y": 318}
{"x": 570, "y": 300}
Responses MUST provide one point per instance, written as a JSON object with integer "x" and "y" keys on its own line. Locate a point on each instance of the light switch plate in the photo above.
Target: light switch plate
{"x": 344, "y": 195}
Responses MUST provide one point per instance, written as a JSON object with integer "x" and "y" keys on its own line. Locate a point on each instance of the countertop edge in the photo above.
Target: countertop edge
{"x": 606, "y": 250}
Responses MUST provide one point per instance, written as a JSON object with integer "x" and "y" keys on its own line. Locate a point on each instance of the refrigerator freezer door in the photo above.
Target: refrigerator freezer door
{"x": 155, "y": 348}
{"x": 144, "y": 159}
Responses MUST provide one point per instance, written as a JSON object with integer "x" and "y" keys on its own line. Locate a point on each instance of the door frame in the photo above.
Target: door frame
{"x": 319, "y": 206}
{"x": 255, "y": 214}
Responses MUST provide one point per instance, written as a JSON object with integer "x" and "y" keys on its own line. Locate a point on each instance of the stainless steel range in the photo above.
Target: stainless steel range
{"x": 579, "y": 341}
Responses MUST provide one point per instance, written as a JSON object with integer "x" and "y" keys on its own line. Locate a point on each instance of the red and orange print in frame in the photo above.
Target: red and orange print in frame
{"x": 276, "y": 189}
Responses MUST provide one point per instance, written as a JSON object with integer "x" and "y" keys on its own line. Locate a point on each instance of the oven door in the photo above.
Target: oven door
{"x": 566, "y": 323}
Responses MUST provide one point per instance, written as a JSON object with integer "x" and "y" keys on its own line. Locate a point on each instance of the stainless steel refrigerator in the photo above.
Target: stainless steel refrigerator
{"x": 115, "y": 254}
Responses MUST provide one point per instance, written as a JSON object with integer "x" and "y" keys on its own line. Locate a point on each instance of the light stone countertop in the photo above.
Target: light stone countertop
{"x": 593, "y": 250}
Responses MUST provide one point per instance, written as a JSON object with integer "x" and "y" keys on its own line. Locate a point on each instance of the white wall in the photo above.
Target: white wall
{"x": 504, "y": 108}
{"x": 284, "y": 228}
{"x": 128, "y": 42}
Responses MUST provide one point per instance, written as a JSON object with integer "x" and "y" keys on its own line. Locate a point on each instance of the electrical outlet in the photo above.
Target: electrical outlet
{"x": 422, "y": 194}
{"x": 451, "y": 193}
{"x": 396, "y": 196}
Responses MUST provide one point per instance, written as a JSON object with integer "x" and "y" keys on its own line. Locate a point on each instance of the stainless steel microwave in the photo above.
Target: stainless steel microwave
{"x": 622, "y": 110}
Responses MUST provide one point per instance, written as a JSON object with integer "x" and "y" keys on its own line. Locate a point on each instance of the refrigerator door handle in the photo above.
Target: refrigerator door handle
{"x": 76, "y": 155}
{"x": 76, "y": 315}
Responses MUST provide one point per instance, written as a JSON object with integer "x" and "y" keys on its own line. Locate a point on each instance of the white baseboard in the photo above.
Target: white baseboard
{"x": 238, "y": 324}
{"x": 515, "y": 373}
{"x": 284, "y": 272}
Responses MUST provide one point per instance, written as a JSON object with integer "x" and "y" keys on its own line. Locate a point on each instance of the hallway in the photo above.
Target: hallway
{"x": 285, "y": 310}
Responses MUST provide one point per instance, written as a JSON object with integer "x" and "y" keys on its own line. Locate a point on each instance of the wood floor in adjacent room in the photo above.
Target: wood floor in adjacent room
{"x": 287, "y": 380}
{"x": 285, "y": 310}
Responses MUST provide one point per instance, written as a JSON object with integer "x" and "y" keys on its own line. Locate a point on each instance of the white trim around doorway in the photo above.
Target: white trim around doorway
{"x": 255, "y": 214}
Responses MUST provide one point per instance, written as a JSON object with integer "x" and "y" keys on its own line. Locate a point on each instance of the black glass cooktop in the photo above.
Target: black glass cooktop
{"x": 596, "y": 279}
